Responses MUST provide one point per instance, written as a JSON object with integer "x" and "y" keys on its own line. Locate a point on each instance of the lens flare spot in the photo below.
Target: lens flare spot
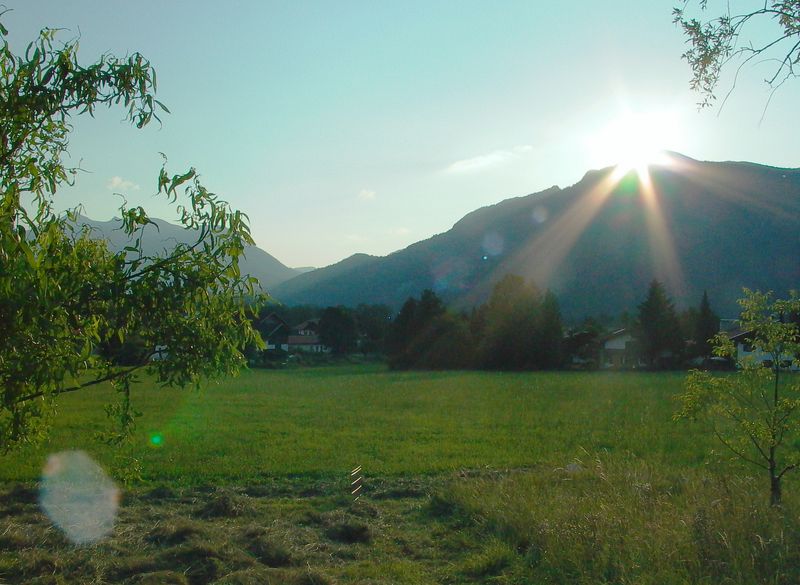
{"x": 540, "y": 214}
{"x": 448, "y": 275}
{"x": 156, "y": 440}
{"x": 78, "y": 497}
{"x": 493, "y": 244}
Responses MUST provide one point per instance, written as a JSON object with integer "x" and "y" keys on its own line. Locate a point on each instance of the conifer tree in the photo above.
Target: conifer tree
{"x": 549, "y": 334}
{"x": 706, "y": 327}
{"x": 657, "y": 328}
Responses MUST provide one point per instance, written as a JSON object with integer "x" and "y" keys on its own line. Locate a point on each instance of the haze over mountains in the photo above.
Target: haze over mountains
{"x": 715, "y": 226}
{"x": 164, "y": 235}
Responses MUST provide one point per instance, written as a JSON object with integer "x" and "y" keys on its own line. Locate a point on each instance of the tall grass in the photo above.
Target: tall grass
{"x": 620, "y": 519}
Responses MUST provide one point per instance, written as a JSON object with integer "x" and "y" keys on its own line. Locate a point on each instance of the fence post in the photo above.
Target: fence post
{"x": 356, "y": 483}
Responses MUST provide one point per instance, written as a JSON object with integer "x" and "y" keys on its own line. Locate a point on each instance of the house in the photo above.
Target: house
{"x": 274, "y": 331}
{"x": 745, "y": 351}
{"x": 310, "y": 327}
{"x": 619, "y": 350}
{"x": 305, "y": 338}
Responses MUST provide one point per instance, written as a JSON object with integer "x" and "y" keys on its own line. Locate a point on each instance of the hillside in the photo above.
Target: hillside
{"x": 715, "y": 226}
{"x": 164, "y": 235}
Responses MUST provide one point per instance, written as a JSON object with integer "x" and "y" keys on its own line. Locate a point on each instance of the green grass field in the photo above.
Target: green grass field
{"x": 469, "y": 478}
{"x": 325, "y": 421}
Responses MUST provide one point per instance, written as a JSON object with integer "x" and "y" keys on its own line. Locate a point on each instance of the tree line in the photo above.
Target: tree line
{"x": 520, "y": 328}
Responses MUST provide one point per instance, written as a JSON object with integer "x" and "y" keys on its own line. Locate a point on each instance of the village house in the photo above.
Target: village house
{"x": 275, "y": 332}
{"x": 305, "y": 337}
{"x": 745, "y": 351}
{"x": 618, "y": 350}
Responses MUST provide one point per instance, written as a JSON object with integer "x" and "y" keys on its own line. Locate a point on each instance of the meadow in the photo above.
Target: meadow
{"x": 469, "y": 477}
{"x": 325, "y": 421}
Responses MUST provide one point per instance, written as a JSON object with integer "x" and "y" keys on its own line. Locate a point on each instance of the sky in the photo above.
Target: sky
{"x": 345, "y": 127}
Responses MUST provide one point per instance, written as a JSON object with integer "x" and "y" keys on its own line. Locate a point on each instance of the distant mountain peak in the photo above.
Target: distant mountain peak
{"x": 164, "y": 235}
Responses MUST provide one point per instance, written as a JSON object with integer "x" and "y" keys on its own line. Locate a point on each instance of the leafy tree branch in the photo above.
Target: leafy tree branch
{"x": 754, "y": 411}
{"x": 727, "y": 38}
{"x": 68, "y": 305}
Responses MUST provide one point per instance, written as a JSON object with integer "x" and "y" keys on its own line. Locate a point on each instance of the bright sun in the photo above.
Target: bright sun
{"x": 635, "y": 141}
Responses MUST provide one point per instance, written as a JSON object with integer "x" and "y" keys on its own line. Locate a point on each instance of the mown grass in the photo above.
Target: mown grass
{"x": 469, "y": 478}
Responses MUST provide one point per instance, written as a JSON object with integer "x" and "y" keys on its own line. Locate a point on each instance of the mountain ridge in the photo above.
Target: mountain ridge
{"x": 598, "y": 236}
{"x": 164, "y": 235}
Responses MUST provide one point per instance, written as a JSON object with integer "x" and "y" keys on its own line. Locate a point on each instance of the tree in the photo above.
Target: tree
{"x": 414, "y": 323}
{"x": 727, "y": 37}
{"x": 430, "y": 306}
{"x": 754, "y": 412}
{"x": 511, "y": 322}
{"x": 372, "y": 323}
{"x": 445, "y": 344}
{"x": 706, "y": 327}
{"x": 548, "y": 335}
{"x": 698, "y": 325}
{"x": 65, "y": 298}
{"x": 402, "y": 329}
{"x": 584, "y": 342}
{"x": 657, "y": 327}
{"x": 337, "y": 330}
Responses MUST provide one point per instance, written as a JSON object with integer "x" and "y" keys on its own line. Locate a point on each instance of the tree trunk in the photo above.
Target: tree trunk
{"x": 775, "y": 491}
{"x": 774, "y": 478}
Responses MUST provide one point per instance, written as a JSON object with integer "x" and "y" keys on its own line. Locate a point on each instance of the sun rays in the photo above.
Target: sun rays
{"x": 662, "y": 245}
{"x": 633, "y": 142}
{"x": 548, "y": 251}
{"x": 639, "y": 207}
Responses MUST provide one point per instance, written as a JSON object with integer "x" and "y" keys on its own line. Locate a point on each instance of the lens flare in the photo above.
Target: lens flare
{"x": 635, "y": 141}
{"x": 493, "y": 244}
{"x": 549, "y": 248}
{"x": 542, "y": 258}
{"x": 539, "y": 214}
{"x": 78, "y": 497}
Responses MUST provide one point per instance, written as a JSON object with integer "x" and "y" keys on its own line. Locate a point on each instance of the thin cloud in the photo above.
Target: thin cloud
{"x": 355, "y": 237}
{"x": 399, "y": 231}
{"x": 366, "y": 195}
{"x": 119, "y": 184}
{"x": 487, "y": 161}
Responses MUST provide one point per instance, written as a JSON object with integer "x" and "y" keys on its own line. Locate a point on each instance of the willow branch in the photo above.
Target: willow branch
{"x": 106, "y": 378}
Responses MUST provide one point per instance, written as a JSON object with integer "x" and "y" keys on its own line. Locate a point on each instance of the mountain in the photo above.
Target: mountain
{"x": 164, "y": 235}
{"x": 715, "y": 226}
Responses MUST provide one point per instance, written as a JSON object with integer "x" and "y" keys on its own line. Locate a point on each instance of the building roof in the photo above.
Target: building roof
{"x": 739, "y": 334}
{"x": 616, "y": 333}
{"x": 312, "y": 324}
{"x": 272, "y": 323}
{"x": 304, "y": 340}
